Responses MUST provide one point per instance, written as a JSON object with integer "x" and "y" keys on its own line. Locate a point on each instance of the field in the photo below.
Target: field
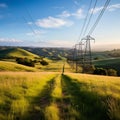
{"x": 52, "y": 96}
{"x": 55, "y": 66}
{"x": 43, "y": 93}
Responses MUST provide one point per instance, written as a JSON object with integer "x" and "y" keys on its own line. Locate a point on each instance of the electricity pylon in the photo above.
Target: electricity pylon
{"x": 87, "y": 56}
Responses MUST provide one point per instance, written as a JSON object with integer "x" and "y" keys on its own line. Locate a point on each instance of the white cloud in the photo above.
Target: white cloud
{"x": 65, "y": 14}
{"x": 114, "y": 7}
{"x": 52, "y": 22}
{"x": 61, "y": 43}
{"x": 60, "y": 20}
{"x": 36, "y": 32}
{"x": 11, "y": 40}
{"x": 78, "y": 13}
{"x": 3, "y": 5}
{"x": 109, "y": 8}
{"x": 96, "y": 10}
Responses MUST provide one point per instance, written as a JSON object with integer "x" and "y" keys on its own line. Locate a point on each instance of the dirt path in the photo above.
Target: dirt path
{"x": 37, "y": 108}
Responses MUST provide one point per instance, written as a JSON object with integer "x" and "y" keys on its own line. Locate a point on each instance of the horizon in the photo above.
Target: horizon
{"x": 95, "y": 48}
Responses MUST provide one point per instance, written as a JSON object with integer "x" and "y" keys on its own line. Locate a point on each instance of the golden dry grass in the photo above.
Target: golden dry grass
{"x": 104, "y": 85}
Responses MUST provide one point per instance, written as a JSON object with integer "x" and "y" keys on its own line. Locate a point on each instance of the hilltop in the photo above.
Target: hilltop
{"x": 51, "y": 53}
{"x": 13, "y": 52}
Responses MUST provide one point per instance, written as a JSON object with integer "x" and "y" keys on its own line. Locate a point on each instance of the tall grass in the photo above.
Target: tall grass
{"x": 99, "y": 94}
{"x": 52, "y": 112}
{"x": 18, "y": 91}
{"x": 113, "y": 108}
{"x": 52, "y": 96}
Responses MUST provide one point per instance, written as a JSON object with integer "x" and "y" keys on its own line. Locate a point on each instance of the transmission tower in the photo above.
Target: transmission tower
{"x": 76, "y": 56}
{"x": 87, "y": 56}
{"x": 80, "y": 53}
{"x": 79, "y": 60}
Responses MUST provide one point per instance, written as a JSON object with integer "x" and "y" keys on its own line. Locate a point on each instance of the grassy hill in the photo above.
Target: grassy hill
{"x": 51, "y": 53}
{"x": 53, "y": 66}
{"x": 100, "y": 55}
{"x": 52, "y": 96}
{"x": 11, "y": 66}
{"x": 16, "y": 52}
{"x": 109, "y": 64}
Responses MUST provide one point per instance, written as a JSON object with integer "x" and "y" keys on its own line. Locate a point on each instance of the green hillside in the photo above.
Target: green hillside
{"x": 109, "y": 64}
{"x": 52, "y": 96}
{"x": 51, "y": 53}
{"x": 11, "y": 66}
{"x": 100, "y": 55}
{"x": 16, "y": 52}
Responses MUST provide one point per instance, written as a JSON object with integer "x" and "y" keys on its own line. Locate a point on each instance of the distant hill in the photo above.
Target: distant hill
{"x": 114, "y": 53}
{"x": 16, "y": 52}
{"x": 11, "y": 66}
{"x": 51, "y": 53}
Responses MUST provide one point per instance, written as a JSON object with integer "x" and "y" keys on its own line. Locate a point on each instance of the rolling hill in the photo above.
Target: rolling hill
{"x": 11, "y": 66}
{"x": 16, "y": 52}
{"x": 51, "y": 53}
{"x": 113, "y": 63}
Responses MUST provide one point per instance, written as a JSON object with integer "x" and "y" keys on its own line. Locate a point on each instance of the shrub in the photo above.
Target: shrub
{"x": 96, "y": 58}
{"x": 112, "y": 72}
{"x": 25, "y": 61}
{"x": 88, "y": 68}
{"x": 43, "y": 62}
{"x": 100, "y": 71}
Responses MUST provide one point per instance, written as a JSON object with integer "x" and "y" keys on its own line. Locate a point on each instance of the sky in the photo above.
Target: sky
{"x": 57, "y": 23}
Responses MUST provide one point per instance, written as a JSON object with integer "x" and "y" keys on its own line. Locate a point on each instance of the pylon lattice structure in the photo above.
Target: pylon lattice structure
{"x": 87, "y": 50}
{"x": 87, "y": 63}
{"x": 79, "y": 56}
{"x": 82, "y": 56}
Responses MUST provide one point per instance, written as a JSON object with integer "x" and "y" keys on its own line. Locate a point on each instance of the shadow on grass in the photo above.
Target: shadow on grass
{"x": 36, "y": 110}
{"x": 88, "y": 105}
{"x": 41, "y": 101}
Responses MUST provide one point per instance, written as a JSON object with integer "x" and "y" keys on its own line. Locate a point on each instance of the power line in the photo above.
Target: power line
{"x": 90, "y": 18}
{"x": 85, "y": 21}
{"x": 29, "y": 14}
{"x": 82, "y": 56}
{"x": 34, "y": 31}
{"x": 99, "y": 17}
{"x": 28, "y": 25}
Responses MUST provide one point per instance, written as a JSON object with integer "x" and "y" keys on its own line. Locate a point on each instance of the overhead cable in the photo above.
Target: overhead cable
{"x": 85, "y": 21}
{"x": 89, "y": 20}
{"x": 99, "y": 17}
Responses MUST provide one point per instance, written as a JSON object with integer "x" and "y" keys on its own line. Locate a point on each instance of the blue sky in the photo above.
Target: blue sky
{"x": 56, "y": 23}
